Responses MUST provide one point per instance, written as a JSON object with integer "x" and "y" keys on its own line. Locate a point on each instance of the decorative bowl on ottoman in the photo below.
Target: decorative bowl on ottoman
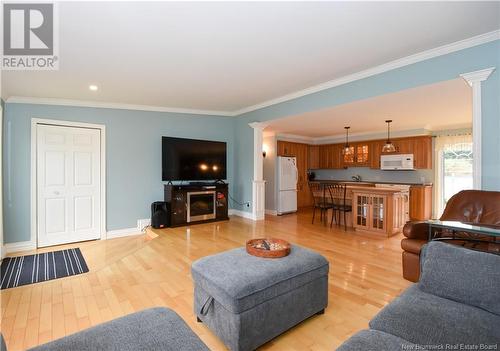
{"x": 268, "y": 248}
{"x": 247, "y": 301}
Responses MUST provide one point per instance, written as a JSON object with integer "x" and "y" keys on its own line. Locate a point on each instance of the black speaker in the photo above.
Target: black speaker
{"x": 160, "y": 214}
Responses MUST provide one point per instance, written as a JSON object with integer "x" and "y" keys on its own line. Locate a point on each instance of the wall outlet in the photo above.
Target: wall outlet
{"x": 143, "y": 223}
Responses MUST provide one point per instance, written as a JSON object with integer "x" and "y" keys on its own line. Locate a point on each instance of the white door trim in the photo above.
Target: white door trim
{"x": 52, "y": 122}
{"x": 474, "y": 79}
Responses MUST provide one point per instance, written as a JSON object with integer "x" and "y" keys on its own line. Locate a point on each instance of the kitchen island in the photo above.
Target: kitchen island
{"x": 376, "y": 208}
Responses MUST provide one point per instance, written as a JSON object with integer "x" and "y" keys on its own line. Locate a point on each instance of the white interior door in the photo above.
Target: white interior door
{"x": 68, "y": 184}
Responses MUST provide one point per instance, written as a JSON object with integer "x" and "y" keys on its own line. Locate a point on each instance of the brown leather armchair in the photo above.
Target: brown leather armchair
{"x": 472, "y": 206}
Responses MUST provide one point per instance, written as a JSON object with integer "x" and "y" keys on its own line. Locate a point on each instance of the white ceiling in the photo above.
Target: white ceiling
{"x": 445, "y": 105}
{"x": 225, "y": 56}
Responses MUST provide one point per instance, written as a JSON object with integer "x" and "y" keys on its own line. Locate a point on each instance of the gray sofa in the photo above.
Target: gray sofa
{"x": 154, "y": 329}
{"x": 455, "y": 305}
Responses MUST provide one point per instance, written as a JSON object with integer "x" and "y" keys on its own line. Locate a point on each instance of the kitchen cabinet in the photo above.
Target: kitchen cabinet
{"x": 348, "y": 158}
{"x": 422, "y": 152}
{"x": 284, "y": 148}
{"x": 358, "y": 155}
{"x": 379, "y": 210}
{"x": 370, "y": 211}
{"x": 419, "y": 146}
{"x": 335, "y": 156}
{"x": 420, "y": 202}
{"x": 375, "y": 153}
{"x": 314, "y": 158}
{"x": 323, "y": 156}
{"x": 362, "y": 154}
{"x": 330, "y": 156}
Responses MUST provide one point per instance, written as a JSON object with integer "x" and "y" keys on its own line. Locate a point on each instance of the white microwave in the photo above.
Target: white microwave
{"x": 396, "y": 162}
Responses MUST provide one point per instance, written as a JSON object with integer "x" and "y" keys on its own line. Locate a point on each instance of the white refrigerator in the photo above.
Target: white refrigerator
{"x": 287, "y": 184}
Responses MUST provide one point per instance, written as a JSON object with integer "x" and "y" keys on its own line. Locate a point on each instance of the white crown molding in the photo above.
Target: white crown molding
{"x": 405, "y": 61}
{"x": 112, "y": 105}
{"x": 340, "y": 138}
{"x": 295, "y": 138}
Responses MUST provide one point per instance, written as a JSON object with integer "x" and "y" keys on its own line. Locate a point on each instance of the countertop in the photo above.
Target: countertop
{"x": 367, "y": 182}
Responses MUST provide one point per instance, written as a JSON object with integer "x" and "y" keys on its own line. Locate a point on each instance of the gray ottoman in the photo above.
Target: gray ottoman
{"x": 247, "y": 301}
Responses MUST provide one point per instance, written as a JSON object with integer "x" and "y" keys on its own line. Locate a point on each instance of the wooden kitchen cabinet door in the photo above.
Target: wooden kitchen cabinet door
{"x": 362, "y": 154}
{"x": 323, "y": 156}
{"x": 420, "y": 202}
{"x": 303, "y": 196}
{"x": 280, "y": 148}
{"x": 285, "y": 148}
{"x": 335, "y": 157}
{"x": 358, "y": 156}
{"x": 422, "y": 152}
{"x": 349, "y": 159}
{"x": 403, "y": 145}
{"x": 314, "y": 157}
{"x": 375, "y": 153}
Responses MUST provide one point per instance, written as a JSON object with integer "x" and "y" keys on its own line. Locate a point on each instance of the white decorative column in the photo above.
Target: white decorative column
{"x": 258, "y": 184}
{"x": 474, "y": 79}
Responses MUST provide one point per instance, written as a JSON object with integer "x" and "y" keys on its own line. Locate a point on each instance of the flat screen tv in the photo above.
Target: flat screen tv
{"x": 190, "y": 159}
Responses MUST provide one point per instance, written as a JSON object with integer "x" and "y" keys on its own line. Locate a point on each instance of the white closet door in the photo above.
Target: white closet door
{"x": 68, "y": 184}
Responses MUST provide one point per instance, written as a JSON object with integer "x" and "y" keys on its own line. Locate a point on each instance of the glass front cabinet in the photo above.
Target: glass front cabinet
{"x": 378, "y": 212}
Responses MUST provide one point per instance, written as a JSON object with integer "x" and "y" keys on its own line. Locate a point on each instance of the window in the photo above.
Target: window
{"x": 454, "y": 170}
{"x": 457, "y": 170}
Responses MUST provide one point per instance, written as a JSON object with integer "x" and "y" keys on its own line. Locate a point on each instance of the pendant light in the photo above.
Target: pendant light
{"x": 389, "y": 146}
{"x": 347, "y": 149}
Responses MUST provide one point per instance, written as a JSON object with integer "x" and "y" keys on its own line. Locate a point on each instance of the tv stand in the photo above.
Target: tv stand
{"x": 197, "y": 202}
{"x": 201, "y": 184}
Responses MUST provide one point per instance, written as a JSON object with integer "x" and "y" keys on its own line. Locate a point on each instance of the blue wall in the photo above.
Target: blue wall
{"x": 133, "y": 137}
{"x": 133, "y": 156}
{"x": 430, "y": 71}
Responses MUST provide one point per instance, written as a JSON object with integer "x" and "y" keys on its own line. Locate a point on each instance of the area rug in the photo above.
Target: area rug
{"x": 30, "y": 269}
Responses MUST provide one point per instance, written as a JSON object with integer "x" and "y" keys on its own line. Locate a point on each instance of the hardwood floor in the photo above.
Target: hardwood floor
{"x": 132, "y": 273}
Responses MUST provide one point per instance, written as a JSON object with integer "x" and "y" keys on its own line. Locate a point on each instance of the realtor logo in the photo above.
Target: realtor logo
{"x": 29, "y": 36}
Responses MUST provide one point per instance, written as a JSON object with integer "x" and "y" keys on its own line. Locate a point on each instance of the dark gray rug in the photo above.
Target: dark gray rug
{"x": 30, "y": 269}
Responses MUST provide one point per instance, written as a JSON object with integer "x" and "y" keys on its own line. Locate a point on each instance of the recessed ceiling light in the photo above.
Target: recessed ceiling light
{"x": 93, "y": 87}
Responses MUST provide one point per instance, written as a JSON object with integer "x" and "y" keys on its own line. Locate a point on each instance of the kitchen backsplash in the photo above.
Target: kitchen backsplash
{"x": 375, "y": 175}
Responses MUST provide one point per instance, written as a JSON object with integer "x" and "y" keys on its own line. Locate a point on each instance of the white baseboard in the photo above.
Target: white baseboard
{"x": 17, "y": 247}
{"x": 272, "y": 212}
{"x": 244, "y": 214}
{"x": 118, "y": 233}
{"x": 29, "y": 245}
